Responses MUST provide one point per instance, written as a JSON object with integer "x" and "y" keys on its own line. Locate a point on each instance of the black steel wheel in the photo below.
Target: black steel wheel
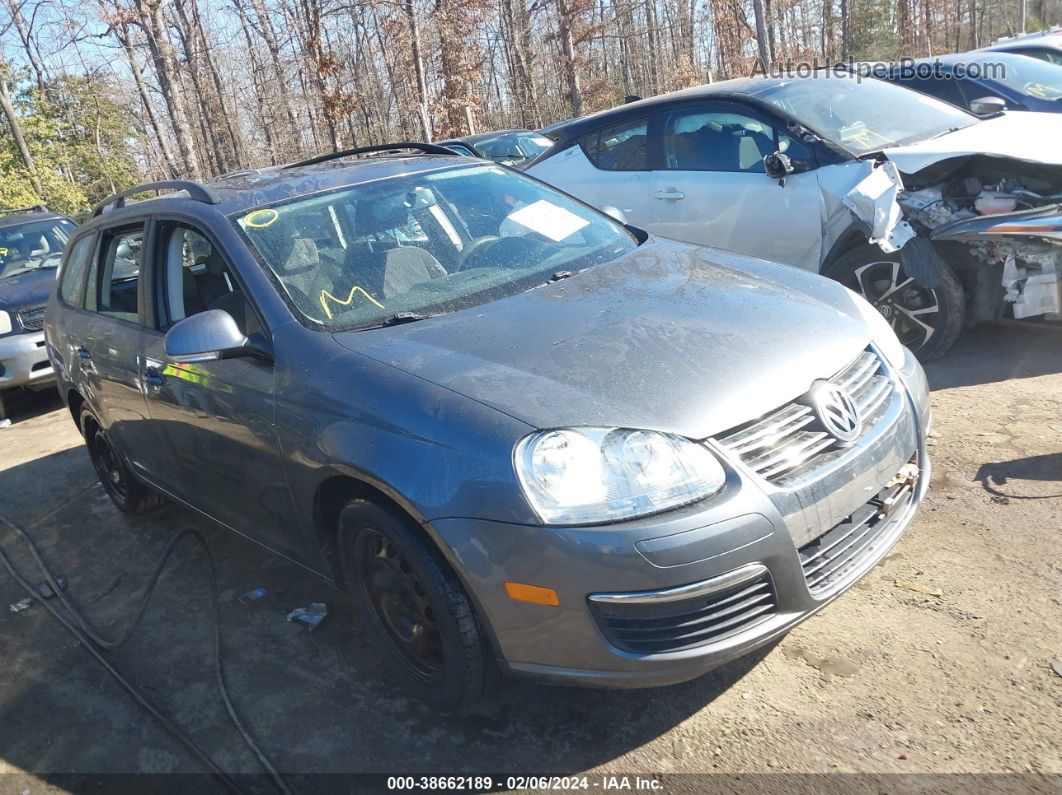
{"x": 128, "y": 494}
{"x": 399, "y": 604}
{"x": 422, "y": 616}
{"x": 926, "y": 319}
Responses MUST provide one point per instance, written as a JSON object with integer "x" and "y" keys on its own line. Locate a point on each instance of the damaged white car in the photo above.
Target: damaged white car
{"x": 938, "y": 217}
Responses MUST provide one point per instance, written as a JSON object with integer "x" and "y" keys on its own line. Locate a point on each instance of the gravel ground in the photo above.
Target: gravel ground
{"x": 939, "y": 661}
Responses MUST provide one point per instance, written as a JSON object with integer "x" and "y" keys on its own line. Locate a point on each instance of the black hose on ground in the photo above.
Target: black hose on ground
{"x": 92, "y": 641}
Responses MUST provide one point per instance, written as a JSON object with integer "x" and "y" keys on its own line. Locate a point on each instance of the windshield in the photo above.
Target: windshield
{"x": 514, "y": 149}
{"x": 426, "y": 243}
{"x": 30, "y": 246}
{"x": 1029, "y": 76}
{"x": 865, "y": 115}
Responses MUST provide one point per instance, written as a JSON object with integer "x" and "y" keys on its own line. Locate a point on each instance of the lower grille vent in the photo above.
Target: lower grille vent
{"x": 652, "y": 628}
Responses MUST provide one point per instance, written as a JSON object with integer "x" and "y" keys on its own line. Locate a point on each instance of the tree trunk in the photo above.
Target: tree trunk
{"x": 565, "y": 21}
{"x": 152, "y": 20}
{"x": 16, "y": 131}
{"x": 418, "y": 69}
{"x": 39, "y": 72}
{"x": 270, "y": 38}
{"x": 122, "y": 34}
{"x": 762, "y": 41}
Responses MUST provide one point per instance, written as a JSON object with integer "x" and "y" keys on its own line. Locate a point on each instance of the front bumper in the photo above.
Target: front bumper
{"x": 24, "y": 359}
{"x": 748, "y": 540}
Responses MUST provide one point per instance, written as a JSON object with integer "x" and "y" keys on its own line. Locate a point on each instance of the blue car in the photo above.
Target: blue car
{"x": 31, "y": 245}
{"x": 1016, "y": 82}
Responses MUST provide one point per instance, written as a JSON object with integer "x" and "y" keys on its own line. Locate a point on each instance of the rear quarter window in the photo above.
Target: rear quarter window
{"x": 72, "y": 276}
{"x": 621, "y": 147}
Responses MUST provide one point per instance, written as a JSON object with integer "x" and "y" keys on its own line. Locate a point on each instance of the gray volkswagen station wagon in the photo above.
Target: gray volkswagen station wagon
{"x": 519, "y": 433}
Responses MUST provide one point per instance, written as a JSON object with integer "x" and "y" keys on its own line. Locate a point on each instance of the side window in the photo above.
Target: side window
{"x": 696, "y": 139}
{"x": 942, "y": 88}
{"x": 114, "y": 280}
{"x": 196, "y": 278}
{"x": 72, "y": 282}
{"x": 621, "y": 147}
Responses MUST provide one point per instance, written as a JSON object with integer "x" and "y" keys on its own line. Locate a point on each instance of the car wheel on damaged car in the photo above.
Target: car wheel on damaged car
{"x": 520, "y": 434}
{"x": 925, "y": 319}
{"x": 864, "y": 162}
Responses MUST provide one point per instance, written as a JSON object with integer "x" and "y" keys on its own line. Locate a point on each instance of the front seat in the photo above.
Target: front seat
{"x": 407, "y": 266}
{"x": 390, "y": 269}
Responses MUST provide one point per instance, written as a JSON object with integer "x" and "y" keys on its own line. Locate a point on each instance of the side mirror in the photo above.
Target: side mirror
{"x": 986, "y": 106}
{"x": 778, "y": 166}
{"x": 614, "y": 212}
{"x": 207, "y": 336}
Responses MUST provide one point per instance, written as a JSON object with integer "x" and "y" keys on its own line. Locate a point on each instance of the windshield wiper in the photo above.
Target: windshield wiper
{"x": 398, "y": 318}
{"x": 556, "y": 277}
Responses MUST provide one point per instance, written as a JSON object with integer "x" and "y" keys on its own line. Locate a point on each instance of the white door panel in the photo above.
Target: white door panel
{"x": 572, "y": 171}
{"x": 744, "y": 212}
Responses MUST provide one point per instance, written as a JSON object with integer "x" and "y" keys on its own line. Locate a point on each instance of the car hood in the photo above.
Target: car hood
{"x": 1028, "y": 136}
{"x": 671, "y": 337}
{"x": 26, "y": 289}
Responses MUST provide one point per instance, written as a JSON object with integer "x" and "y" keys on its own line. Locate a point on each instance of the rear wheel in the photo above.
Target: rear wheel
{"x": 420, "y": 612}
{"x": 926, "y": 319}
{"x": 128, "y": 494}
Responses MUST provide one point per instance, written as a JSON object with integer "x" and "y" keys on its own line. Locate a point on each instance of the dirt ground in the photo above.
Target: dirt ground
{"x": 886, "y": 680}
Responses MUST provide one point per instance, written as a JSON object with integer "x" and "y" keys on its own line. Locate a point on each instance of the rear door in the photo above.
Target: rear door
{"x": 710, "y": 187}
{"x": 608, "y": 167}
{"x": 218, "y": 417}
{"x": 107, "y": 336}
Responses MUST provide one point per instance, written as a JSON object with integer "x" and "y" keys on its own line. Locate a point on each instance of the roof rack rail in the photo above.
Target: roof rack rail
{"x": 196, "y": 191}
{"x": 35, "y": 208}
{"x": 428, "y": 149}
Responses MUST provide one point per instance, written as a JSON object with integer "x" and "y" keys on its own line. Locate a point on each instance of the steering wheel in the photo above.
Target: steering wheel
{"x": 477, "y": 246}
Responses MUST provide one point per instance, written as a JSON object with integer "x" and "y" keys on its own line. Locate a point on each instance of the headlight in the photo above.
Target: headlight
{"x": 593, "y": 475}
{"x": 881, "y": 333}
{"x": 5, "y": 322}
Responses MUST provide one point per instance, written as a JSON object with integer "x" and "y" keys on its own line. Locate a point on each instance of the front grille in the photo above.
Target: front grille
{"x": 782, "y": 448}
{"x": 828, "y": 559}
{"x": 672, "y": 626}
{"x": 31, "y": 318}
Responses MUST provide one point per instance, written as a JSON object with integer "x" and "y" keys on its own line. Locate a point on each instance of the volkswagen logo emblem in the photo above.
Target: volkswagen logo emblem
{"x": 836, "y": 412}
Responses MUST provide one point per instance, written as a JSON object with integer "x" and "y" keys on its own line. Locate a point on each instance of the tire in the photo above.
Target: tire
{"x": 926, "y": 319}
{"x": 420, "y": 612}
{"x": 128, "y": 494}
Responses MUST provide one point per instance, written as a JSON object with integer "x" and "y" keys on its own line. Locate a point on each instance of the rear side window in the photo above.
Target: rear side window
{"x": 621, "y": 147}
{"x": 115, "y": 278}
{"x": 72, "y": 281}
{"x": 947, "y": 89}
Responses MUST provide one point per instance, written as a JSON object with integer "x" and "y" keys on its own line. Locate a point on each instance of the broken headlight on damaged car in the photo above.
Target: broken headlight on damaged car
{"x": 596, "y": 475}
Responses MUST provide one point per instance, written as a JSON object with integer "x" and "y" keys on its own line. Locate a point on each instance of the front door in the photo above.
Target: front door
{"x": 710, "y": 187}
{"x": 217, "y": 415}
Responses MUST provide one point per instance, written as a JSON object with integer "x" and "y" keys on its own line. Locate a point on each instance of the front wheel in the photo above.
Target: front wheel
{"x": 926, "y": 319}
{"x": 419, "y": 610}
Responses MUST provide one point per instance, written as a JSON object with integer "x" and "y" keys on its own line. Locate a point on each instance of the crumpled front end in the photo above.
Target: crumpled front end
{"x": 998, "y": 223}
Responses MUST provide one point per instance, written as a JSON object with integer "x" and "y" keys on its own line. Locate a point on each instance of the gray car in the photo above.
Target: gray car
{"x": 517, "y": 431}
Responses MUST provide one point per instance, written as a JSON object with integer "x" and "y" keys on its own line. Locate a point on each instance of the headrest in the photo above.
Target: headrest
{"x": 303, "y": 257}
{"x": 382, "y": 214}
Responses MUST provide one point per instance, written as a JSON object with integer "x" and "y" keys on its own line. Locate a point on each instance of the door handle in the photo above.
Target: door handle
{"x": 84, "y": 353}
{"x": 669, "y": 194}
{"x": 153, "y": 377}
